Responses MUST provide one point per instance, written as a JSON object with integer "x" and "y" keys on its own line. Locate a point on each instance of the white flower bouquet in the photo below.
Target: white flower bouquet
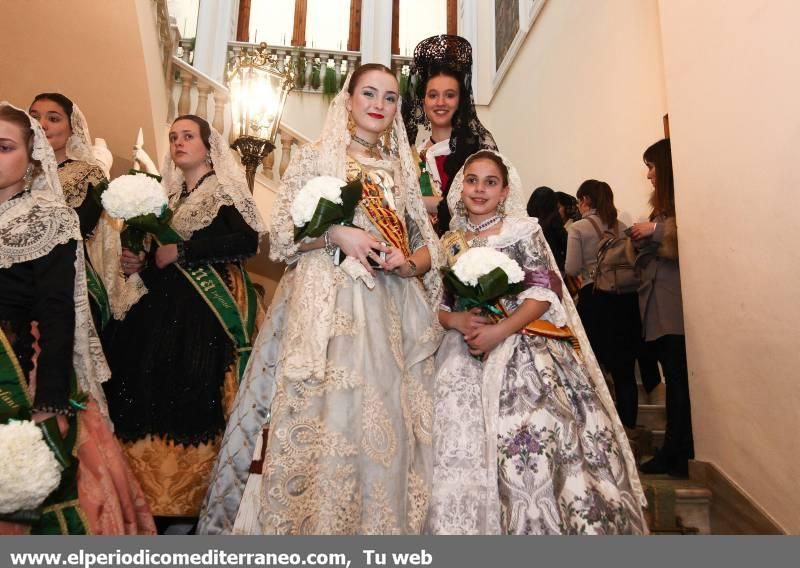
{"x": 29, "y": 470}
{"x": 140, "y": 201}
{"x": 481, "y": 276}
{"x": 322, "y": 202}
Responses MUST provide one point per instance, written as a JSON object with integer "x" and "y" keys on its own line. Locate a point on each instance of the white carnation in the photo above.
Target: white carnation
{"x": 305, "y": 203}
{"x": 133, "y": 195}
{"x": 480, "y": 261}
{"x": 29, "y": 471}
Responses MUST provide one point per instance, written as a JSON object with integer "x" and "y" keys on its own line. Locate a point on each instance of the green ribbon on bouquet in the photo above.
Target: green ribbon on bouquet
{"x": 239, "y": 326}
{"x": 136, "y": 228}
{"x": 490, "y": 288}
{"x": 329, "y": 213}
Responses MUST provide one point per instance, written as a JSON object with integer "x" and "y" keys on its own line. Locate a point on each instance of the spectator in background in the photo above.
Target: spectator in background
{"x": 568, "y": 209}
{"x": 662, "y": 310}
{"x": 611, "y": 320}
{"x": 543, "y": 204}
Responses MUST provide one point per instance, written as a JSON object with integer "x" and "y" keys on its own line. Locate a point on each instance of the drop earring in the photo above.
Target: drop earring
{"x": 387, "y": 139}
{"x": 461, "y": 209}
{"x": 28, "y": 178}
{"x": 501, "y": 209}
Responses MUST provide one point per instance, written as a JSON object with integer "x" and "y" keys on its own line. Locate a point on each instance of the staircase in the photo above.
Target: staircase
{"x": 675, "y": 506}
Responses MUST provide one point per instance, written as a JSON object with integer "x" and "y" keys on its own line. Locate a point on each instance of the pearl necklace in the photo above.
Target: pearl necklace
{"x": 491, "y": 222}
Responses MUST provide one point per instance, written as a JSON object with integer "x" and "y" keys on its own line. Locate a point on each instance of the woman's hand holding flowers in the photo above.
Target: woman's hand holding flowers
{"x": 130, "y": 262}
{"x": 468, "y": 322}
{"x": 485, "y": 338}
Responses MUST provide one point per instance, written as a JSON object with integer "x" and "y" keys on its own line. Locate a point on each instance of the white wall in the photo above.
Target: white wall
{"x": 733, "y": 84}
{"x": 583, "y": 98}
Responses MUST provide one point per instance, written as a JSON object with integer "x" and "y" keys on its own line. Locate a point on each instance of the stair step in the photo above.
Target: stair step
{"x": 692, "y": 501}
{"x": 645, "y": 398}
{"x": 648, "y": 441}
{"x": 652, "y": 416}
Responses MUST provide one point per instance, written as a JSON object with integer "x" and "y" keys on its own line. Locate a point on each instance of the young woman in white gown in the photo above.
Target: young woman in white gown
{"x": 526, "y": 441}
{"x": 345, "y": 360}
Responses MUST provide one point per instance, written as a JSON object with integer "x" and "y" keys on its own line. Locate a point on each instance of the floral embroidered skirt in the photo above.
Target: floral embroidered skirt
{"x": 555, "y": 467}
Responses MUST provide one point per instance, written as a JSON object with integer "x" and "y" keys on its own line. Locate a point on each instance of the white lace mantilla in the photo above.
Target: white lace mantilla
{"x": 28, "y": 231}
{"x": 32, "y": 225}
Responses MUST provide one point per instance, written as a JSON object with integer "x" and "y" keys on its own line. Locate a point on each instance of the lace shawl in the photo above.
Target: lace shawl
{"x": 31, "y": 226}
{"x": 310, "y": 326}
{"x": 75, "y": 177}
{"x": 520, "y": 226}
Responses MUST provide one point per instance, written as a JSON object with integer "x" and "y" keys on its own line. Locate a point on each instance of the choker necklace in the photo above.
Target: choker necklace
{"x": 185, "y": 190}
{"x": 372, "y": 147}
{"x": 491, "y": 222}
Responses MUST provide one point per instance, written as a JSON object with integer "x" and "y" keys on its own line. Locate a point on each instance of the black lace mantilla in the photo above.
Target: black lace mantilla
{"x": 453, "y": 55}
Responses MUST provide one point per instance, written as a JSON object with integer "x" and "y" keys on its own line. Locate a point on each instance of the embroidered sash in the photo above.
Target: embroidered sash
{"x": 208, "y": 283}
{"x": 385, "y": 219}
{"x": 543, "y": 328}
{"x": 14, "y": 399}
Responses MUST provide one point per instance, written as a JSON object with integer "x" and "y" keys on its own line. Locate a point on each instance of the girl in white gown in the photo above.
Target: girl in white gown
{"x": 526, "y": 441}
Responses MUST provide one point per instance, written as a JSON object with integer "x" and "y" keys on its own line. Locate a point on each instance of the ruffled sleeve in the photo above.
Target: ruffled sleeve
{"x": 532, "y": 254}
{"x": 415, "y": 238}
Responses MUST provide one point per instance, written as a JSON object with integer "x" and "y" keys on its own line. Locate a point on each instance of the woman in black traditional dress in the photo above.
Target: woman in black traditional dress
{"x": 177, "y": 355}
{"x": 82, "y": 180}
{"x": 52, "y": 372}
